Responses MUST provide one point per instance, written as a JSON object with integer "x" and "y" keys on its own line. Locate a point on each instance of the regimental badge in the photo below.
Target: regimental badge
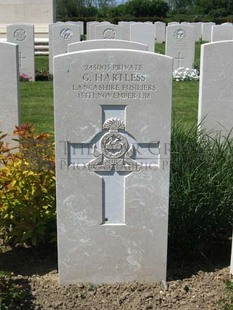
{"x": 115, "y": 151}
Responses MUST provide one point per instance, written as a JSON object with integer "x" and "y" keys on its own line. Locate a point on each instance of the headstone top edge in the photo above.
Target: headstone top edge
{"x": 110, "y": 50}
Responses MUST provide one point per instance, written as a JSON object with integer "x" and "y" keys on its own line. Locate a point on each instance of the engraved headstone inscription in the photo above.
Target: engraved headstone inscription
{"x": 9, "y": 88}
{"x": 112, "y": 126}
{"x": 23, "y": 35}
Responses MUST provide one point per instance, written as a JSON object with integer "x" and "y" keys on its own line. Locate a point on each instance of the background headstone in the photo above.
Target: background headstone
{"x": 108, "y": 31}
{"x": 197, "y": 30}
{"x": 9, "y": 88}
{"x": 206, "y": 31}
{"x": 60, "y": 35}
{"x": 180, "y": 45}
{"x": 103, "y": 44}
{"x": 125, "y": 29}
{"x": 143, "y": 33}
{"x": 215, "y": 90}
{"x": 221, "y": 33}
{"x": 91, "y": 30}
{"x": 23, "y": 35}
{"x": 160, "y": 32}
{"x": 113, "y": 114}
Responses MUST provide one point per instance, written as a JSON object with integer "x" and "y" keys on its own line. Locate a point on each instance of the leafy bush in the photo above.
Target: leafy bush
{"x": 12, "y": 293}
{"x": 27, "y": 189}
{"x": 201, "y": 197}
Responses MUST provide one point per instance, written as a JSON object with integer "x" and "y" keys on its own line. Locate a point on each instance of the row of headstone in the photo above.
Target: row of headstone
{"x": 23, "y": 36}
{"x": 137, "y": 32}
{"x": 9, "y": 88}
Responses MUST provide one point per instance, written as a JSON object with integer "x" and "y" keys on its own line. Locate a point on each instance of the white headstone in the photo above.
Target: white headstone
{"x": 143, "y": 33}
{"x": 180, "y": 45}
{"x": 23, "y": 35}
{"x": 60, "y": 35}
{"x": 206, "y": 31}
{"x": 125, "y": 30}
{"x": 81, "y": 24}
{"x": 221, "y": 33}
{"x": 9, "y": 88}
{"x": 197, "y": 30}
{"x": 102, "y": 44}
{"x": 108, "y": 31}
{"x": 113, "y": 113}
{"x": 91, "y": 30}
{"x": 160, "y": 32}
{"x": 216, "y": 92}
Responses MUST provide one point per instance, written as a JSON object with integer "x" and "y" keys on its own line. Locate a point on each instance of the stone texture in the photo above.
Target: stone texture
{"x": 9, "y": 88}
{"x": 23, "y": 35}
{"x": 180, "y": 45}
{"x": 112, "y": 205}
{"x": 103, "y": 44}
{"x": 216, "y": 92}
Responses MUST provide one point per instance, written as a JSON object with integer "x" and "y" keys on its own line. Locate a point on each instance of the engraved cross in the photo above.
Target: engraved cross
{"x": 179, "y": 59}
{"x": 113, "y": 154}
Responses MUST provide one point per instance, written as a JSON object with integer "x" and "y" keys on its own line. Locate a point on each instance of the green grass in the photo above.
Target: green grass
{"x": 185, "y": 103}
{"x": 37, "y": 105}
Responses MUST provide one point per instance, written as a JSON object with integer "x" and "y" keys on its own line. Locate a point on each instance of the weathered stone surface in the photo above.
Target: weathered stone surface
{"x": 112, "y": 123}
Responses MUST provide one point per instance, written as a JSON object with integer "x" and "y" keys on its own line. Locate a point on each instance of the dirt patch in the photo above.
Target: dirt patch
{"x": 37, "y": 272}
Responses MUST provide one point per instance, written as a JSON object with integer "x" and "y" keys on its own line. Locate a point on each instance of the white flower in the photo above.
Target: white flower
{"x": 185, "y": 74}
